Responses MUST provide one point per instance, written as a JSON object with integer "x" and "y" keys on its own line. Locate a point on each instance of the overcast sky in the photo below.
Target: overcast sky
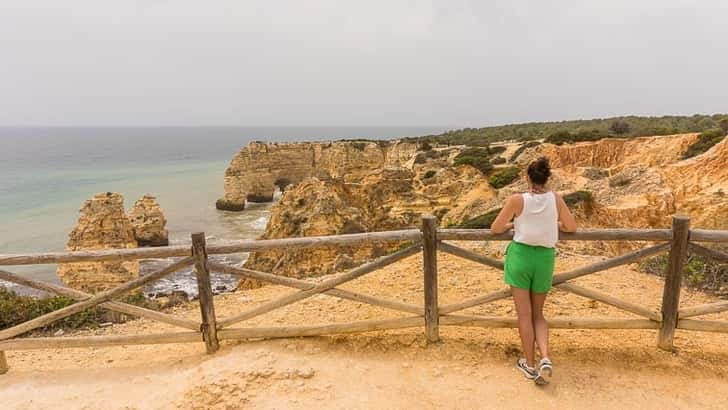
{"x": 310, "y": 62}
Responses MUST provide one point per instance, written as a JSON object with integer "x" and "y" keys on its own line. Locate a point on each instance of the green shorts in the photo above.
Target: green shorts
{"x": 529, "y": 267}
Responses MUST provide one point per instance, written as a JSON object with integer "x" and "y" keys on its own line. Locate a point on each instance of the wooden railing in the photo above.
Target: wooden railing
{"x": 428, "y": 240}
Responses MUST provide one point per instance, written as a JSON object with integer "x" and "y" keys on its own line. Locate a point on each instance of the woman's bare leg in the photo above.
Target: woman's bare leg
{"x": 540, "y": 326}
{"x": 522, "y": 299}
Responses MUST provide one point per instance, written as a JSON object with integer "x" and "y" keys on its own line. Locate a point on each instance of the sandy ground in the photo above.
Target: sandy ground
{"x": 470, "y": 368}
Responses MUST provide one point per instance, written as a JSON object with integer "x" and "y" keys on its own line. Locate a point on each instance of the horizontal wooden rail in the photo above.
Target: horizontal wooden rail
{"x": 238, "y": 247}
{"x": 707, "y": 252}
{"x": 720, "y": 326}
{"x": 312, "y": 241}
{"x": 320, "y": 330}
{"x": 579, "y": 235}
{"x": 707, "y": 235}
{"x": 555, "y": 323}
{"x": 323, "y": 286}
{"x": 31, "y": 343}
{"x": 705, "y": 309}
{"x": 302, "y": 284}
{"x": 115, "y": 306}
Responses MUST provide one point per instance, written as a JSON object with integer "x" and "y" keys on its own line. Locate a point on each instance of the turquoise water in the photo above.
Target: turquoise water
{"x": 47, "y": 173}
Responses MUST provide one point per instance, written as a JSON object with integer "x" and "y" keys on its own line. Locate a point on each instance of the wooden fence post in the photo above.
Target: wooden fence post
{"x": 207, "y": 306}
{"x": 673, "y": 279}
{"x": 3, "y": 363}
{"x": 429, "y": 258}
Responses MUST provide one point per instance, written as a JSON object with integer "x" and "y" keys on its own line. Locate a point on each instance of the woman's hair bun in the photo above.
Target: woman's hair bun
{"x": 539, "y": 171}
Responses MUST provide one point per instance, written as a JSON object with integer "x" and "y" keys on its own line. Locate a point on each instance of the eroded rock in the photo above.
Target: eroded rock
{"x": 102, "y": 224}
{"x": 148, "y": 222}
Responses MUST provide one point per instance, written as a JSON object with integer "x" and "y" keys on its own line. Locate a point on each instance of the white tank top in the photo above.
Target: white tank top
{"x": 537, "y": 225}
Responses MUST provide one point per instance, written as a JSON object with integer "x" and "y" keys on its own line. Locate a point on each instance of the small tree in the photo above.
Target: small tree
{"x": 724, "y": 124}
{"x": 619, "y": 127}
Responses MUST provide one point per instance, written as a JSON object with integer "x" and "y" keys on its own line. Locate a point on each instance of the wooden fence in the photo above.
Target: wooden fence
{"x": 428, "y": 240}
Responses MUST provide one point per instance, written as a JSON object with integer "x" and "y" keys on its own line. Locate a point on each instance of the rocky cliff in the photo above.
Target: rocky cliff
{"x": 389, "y": 198}
{"x": 256, "y": 170}
{"x": 148, "y": 222}
{"x": 102, "y": 224}
{"x": 638, "y": 182}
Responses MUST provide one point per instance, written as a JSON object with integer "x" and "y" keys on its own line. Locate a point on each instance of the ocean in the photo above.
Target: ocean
{"x": 47, "y": 173}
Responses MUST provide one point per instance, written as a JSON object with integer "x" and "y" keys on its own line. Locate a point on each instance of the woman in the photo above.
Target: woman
{"x": 537, "y": 215}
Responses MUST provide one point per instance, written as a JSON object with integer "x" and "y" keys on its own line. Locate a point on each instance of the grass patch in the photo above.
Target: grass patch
{"x": 504, "y": 177}
{"x": 477, "y": 157}
{"x": 705, "y": 141}
{"x": 498, "y": 161}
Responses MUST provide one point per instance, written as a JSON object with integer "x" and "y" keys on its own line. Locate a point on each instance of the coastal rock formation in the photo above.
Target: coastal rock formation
{"x": 148, "y": 222}
{"x": 638, "y": 183}
{"x": 256, "y": 170}
{"x": 386, "y": 199}
{"x": 103, "y": 224}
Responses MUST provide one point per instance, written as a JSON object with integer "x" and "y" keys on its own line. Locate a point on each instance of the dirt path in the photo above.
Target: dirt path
{"x": 471, "y": 368}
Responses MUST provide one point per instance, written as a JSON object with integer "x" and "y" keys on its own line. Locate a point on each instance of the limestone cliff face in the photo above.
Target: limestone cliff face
{"x": 148, "y": 222}
{"x": 389, "y": 198}
{"x": 256, "y": 170}
{"x": 637, "y": 183}
{"x": 102, "y": 224}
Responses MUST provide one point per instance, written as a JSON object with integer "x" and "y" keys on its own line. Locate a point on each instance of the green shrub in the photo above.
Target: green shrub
{"x": 705, "y": 141}
{"x": 16, "y": 309}
{"x": 698, "y": 272}
{"x": 482, "y": 221}
{"x": 522, "y": 148}
{"x": 425, "y": 146}
{"x": 576, "y": 197}
{"x": 477, "y": 157}
{"x": 497, "y": 150}
{"x": 359, "y": 145}
{"x": 504, "y": 177}
{"x": 429, "y": 174}
{"x": 498, "y": 161}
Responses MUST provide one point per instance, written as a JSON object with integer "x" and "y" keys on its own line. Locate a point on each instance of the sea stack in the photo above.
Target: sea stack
{"x": 148, "y": 222}
{"x": 102, "y": 224}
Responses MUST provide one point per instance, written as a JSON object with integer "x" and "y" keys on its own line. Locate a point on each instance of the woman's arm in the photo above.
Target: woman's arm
{"x": 503, "y": 222}
{"x": 567, "y": 223}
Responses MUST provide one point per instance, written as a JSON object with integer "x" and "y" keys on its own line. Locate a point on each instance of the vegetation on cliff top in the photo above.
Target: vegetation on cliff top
{"x": 478, "y": 157}
{"x": 705, "y": 141}
{"x": 629, "y": 126}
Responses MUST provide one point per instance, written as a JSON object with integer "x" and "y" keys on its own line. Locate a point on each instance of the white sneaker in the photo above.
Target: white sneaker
{"x": 530, "y": 372}
{"x": 545, "y": 367}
